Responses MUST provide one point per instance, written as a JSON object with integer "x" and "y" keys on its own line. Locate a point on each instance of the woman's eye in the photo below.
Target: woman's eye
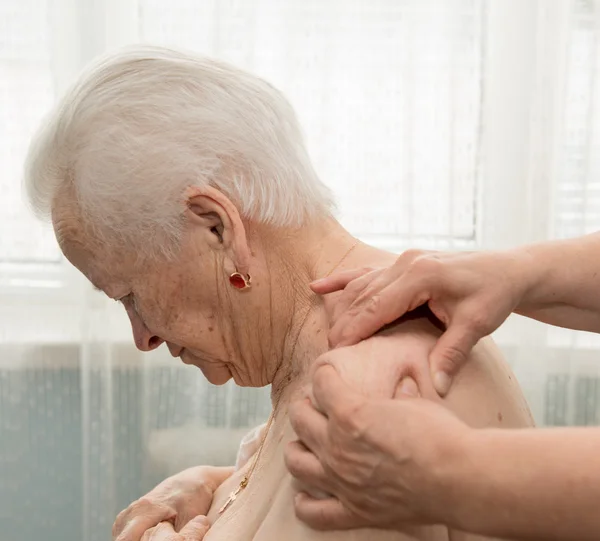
{"x": 129, "y": 302}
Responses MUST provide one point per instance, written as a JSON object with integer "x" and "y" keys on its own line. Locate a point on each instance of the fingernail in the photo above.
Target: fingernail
{"x": 408, "y": 386}
{"x": 442, "y": 382}
{"x": 317, "y": 282}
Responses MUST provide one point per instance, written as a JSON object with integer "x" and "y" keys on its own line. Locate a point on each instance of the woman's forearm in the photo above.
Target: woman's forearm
{"x": 530, "y": 484}
{"x": 563, "y": 282}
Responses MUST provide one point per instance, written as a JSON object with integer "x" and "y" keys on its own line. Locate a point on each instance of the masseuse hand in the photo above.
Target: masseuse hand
{"x": 384, "y": 461}
{"x": 171, "y": 506}
{"x": 470, "y": 293}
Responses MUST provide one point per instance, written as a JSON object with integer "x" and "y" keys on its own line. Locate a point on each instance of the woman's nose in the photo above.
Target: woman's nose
{"x": 147, "y": 341}
{"x": 143, "y": 338}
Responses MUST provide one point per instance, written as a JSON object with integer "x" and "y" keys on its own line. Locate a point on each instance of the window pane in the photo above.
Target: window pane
{"x": 26, "y": 94}
{"x": 578, "y": 187}
{"x": 577, "y": 191}
{"x": 388, "y": 93}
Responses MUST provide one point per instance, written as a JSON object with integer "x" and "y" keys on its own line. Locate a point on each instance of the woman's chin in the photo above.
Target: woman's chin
{"x": 216, "y": 375}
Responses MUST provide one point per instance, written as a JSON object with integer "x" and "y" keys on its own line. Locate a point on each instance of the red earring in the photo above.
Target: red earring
{"x": 239, "y": 281}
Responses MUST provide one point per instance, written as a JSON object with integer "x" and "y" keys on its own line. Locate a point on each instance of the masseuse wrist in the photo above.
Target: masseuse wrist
{"x": 455, "y": 479}
{"x": 528, "y": 273}
{"x": 451, "y": 470}
{"x": 484, "y": 488}
{"x": 470, "y": 495}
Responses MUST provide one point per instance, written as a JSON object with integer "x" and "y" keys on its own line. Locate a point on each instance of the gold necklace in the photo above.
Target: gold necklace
{"x": 244, "y": 482}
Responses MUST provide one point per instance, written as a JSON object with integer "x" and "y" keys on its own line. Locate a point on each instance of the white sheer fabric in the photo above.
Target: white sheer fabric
{"x": 439, "y": 123}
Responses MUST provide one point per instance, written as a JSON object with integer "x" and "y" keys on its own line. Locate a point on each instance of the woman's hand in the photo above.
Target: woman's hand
{"x": 387, "y": 463}
{"x": 194, "y": 530}
{"x": 470, "y": 293}
{"x": 171, "y": 505}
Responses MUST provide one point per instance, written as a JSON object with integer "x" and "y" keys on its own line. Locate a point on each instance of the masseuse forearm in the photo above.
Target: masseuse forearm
{"x": 563, "y": 283}
{"x": 531, "y": 484}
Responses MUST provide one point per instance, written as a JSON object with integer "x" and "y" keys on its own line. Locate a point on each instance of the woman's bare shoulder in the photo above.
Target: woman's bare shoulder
{"x": 376, "y": 366}
{"x": 484, "y": 393}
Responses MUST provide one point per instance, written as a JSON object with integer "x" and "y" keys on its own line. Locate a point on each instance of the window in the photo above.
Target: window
{"x": 380, "y": 88}
{"x": 26, "y": 94}
{"x": 438, "y": 123}
{"x": 578, "y": 187}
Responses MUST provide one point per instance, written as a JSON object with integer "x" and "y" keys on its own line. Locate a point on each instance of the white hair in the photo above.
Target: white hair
{"x": 142, "y": 125}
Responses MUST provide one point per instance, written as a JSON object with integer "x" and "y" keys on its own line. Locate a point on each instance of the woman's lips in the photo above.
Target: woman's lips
{"x": 216, "y": 372}
{"x": 189, "y": 358}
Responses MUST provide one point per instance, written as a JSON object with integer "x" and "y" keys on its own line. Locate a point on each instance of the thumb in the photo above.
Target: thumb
{"x": 330, "y": 392}
{"x": 195, "y": 529}
{"x": 407, "y": 388}
{"x": 449, "y": 354}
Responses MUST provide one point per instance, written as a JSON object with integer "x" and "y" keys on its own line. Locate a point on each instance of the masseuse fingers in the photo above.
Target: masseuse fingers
{"x": 338, "y": 281}
{"x": 357, "y": 314}
{"x": 386, "y": 299}
{"x": 450, "y": 354}
{"x": 332, "y": 396}
{"x": 329, "y": 514}
{"x": 351, "y": 292}
{"x": 305, "y": 467}
{"x": 309, "y": 425}
{"x": 386, "y": 295}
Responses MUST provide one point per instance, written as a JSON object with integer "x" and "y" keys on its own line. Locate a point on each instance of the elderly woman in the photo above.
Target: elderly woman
{"x": 181, "y": 187}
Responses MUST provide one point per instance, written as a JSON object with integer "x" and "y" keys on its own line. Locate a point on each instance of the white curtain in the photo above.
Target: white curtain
{"x": 450, "y": 124}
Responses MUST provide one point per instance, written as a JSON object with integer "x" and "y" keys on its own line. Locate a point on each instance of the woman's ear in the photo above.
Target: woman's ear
{"x": 217, "y": 219}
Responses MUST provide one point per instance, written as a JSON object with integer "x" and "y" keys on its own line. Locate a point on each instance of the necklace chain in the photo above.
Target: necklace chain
{"x": 246, "y": 479}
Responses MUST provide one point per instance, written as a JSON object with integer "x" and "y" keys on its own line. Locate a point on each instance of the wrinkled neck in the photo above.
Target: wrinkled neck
{"x": 294, "y": 371}
{"x": 327, "y": 249}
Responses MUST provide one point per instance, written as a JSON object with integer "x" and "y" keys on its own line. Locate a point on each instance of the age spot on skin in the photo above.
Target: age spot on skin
{"x": 500, "y": 417}
{"x": 210, "y": 329}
